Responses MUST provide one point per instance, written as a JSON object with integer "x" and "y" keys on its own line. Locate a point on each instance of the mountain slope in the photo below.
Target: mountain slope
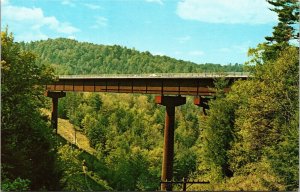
{"x": 72, "y": 57}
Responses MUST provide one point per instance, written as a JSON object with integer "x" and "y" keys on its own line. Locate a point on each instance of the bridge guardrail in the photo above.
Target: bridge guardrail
{"x": 158, "y": 75}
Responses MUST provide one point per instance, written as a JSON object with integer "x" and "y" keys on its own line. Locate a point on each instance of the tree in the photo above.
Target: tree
{"x": 283, "y": 33}
{"x": 288, "y": 15}
{"x": 27, "y": 152}
{"x": 72, "y": 57}
{"x": 253, "y": 130}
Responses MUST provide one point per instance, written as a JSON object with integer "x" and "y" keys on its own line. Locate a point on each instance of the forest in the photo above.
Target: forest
{"x": 249, "y": 140}
{"x": 70, "y": 57}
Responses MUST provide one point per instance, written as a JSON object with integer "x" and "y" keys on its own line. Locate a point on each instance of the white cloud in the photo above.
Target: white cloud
{"x": 295, "y": 42}
{"x": 226, "y": 11}
{"x": 184, "y": 39}
{"x": 71, "y": 37}
{"x": 239, "y": 49}
{"x": 4, "y": 2}
{"x": 191, "y": 55}
{"x": 196, "y": 53}
{"x": 68, "y": 2}
{"x": 155, "y": 1}
{"x": 225, "y": 50}
{"x": 28, "y": 23}
{"x": 157, "y": 53}
{"x": 31, "y": 36}
{"x": 100, "y": 22}
{"x": 92, "y": 6}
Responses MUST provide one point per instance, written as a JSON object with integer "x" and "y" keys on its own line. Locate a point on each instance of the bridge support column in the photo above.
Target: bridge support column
{"x": 202, "y": 102}
{"x": 54, "y": 116}
{"x": 168, "y": 153}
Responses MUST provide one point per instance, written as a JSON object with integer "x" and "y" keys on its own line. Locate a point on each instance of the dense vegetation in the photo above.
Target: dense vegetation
{"x": 27, "y": 153}
{"x": 127, "y": 132}
{"x": 248, "y": 140}
{"x": 68, "y": 56}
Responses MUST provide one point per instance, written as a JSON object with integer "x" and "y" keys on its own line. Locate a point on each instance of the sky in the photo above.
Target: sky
{"x": 201, "y": 31}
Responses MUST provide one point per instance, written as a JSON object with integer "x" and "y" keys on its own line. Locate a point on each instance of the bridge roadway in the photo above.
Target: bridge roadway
{"x": 196, "y": 84}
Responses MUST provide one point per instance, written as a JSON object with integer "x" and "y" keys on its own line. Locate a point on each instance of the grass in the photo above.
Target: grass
{"x": 67, "y": 131}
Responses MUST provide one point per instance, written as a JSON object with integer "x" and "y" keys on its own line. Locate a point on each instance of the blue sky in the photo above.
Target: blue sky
{"x": 201, "y": 31}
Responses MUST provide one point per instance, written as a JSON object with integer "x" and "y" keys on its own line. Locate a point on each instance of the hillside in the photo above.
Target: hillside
{"x": 247, "y": 141}
{"x": 72, "y": 57}
{"x": 126, "y": 130}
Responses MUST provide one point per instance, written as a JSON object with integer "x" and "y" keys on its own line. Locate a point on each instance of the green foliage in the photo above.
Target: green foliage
{"x": 216, "y": 139}
{"x": 27, "y": 142}
{"x": 283, "y": 34}
{"x": 272, "y": 102}
{"x": 127, "y": 131}
{"x": 16, "y": 185}
{"x": 284, "y": 157}
{"x": 288, "y": 16}
{"x": 248, "y": 141}
{"x": 116, "y": 125}
{"x": 253, "y": 130}
{"x": 72, "y": 57}
{"x": 77, "y": 176}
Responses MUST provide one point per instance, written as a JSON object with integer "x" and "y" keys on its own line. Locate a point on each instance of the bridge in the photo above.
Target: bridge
{"x": 169, "y": 87}
{"x": 195, "y": 84}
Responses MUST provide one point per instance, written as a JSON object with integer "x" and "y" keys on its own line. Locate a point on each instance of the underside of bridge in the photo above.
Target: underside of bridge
{"x": 170, "y": 91}
{"x": 170, "y": 102}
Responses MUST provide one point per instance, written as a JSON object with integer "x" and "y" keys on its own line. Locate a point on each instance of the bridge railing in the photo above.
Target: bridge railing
{"x": 162, "y": 75}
